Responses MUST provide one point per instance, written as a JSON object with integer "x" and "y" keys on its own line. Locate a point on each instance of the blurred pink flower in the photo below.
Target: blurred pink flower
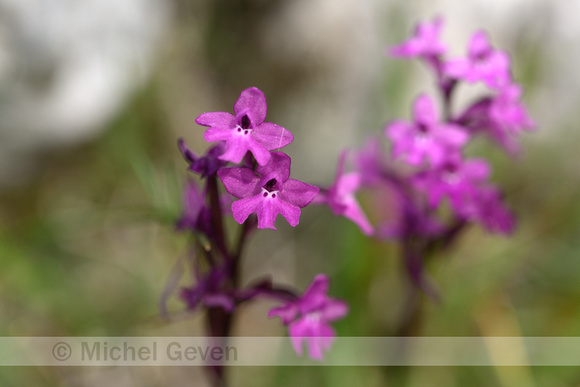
{"x": 483, "y": 63}
{"x": 340, "y": 197}
{"x": 309, "y": 317}
{"x": 426, "y": 137}
{"x": 456, "y": 179}
{"x": 424, "y": 42}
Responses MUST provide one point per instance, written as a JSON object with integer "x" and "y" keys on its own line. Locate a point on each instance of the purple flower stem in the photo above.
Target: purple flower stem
{"x": 219, "y": 321}
{"x": 282, "y": 294}
{"x": 208, "y": 256}
{"x": 416, "y": 251}
{"x": 446, "y": 88}
{"x": 450, "y": 235}
{"x": 410, "y": 319}
{"x": 415, "y": 256}
{"x": 248, "y": 227}
{"x": 216, "y": 215}
{"x": 409, "y": 322}
{"x": 218, "y": 325}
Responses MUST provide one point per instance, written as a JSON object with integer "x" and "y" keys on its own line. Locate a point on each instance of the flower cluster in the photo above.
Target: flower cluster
{"x": 258, "y": 188}
{"x": 425, "y": 192}
{"x": 500, "y": 115}
{"x": 436, "y": 175}
{"x": 435, "y": 144}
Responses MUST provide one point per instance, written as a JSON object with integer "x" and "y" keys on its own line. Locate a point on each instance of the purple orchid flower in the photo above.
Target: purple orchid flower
{"x": 309, "y": 317}
{"x": 492, "y": 213}
{"x": 207, "y": 292}
{"x": 502, "y": 117}
{"x": 193, "y": 206}
{"x": 424, "y": 43}
{"x": 196, "y": 214}
{"x": 426, "y": 137}
{"x": 340, "y": 197}
{"x": 483, "y": 63}
{"x": 205, "y": 165}
{"x": 369, "y": 161}
{"x": 477, "y": 119}
{"x": 507, "y": 111}
{"x": 457, "y": 179}
{"x": 268, "y": 193}
{"x": 245, "y": 130}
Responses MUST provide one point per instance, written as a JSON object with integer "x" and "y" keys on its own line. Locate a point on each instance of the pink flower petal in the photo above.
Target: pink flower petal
{"x": 253, "y": 100}
{"x": 240, "y": 182}
{"x": 220, "y": 120}
{"x": 272, "y": 136}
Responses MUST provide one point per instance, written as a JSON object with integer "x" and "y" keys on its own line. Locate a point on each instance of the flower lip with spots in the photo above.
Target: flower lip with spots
{"x": 267, "y": 192}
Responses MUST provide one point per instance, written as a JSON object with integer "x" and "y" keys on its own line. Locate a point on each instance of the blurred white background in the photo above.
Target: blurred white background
{"x": 67, "y": 67}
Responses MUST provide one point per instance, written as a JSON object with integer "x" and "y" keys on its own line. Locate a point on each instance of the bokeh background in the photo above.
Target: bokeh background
{"x": 95, "y": 93}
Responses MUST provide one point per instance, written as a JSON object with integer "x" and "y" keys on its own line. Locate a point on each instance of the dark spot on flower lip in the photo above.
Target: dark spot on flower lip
{"x": 482, "y": 56}
{"x": 422, "y": 127}
{"x": 451, "y": 167}
{"x": 270, "y": 185}
{"x": 245, "y": 121}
